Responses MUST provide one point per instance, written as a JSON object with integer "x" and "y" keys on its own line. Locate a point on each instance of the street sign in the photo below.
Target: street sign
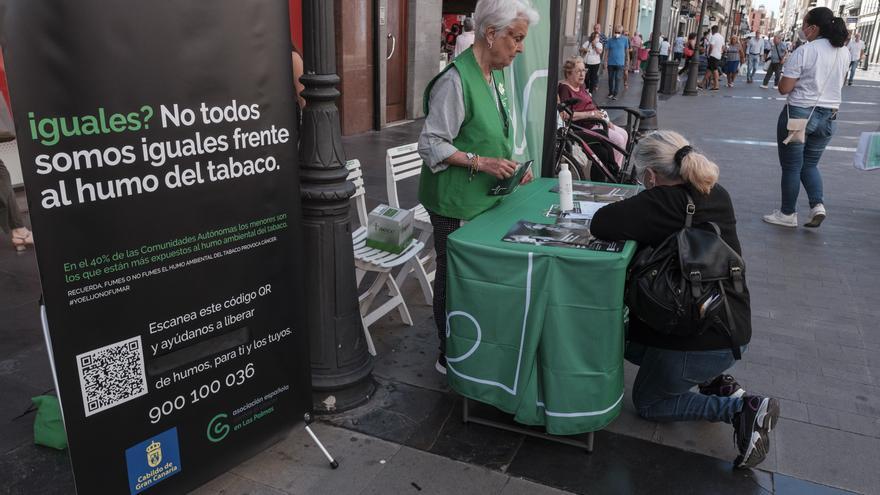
{"x": 852, "y": 20}
{"x": 712, "y": 19}
{"x": 158, "y": 146}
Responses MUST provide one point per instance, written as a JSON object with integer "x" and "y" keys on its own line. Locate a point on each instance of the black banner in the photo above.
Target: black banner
{"x": 158, "y": 145}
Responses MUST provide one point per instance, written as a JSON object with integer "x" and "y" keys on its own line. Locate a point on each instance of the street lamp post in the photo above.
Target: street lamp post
{"x": 652, "y": 74}
{"x": 730, "y": 21}
{"x": 341, "y": 365}
{"x": 690, "y": 88}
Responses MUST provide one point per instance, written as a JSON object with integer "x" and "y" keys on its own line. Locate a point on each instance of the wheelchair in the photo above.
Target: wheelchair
{"x": 589, "y": 153}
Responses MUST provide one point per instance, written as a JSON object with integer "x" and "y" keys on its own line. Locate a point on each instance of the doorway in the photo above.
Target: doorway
{"x": 395, "y": 64}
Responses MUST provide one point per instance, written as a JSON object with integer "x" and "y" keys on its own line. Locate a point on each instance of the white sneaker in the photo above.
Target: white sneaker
{"x": 817, "y": 215}
{"x": 440, "y": 365}
{"x": 779, "y": 218}
{"x": 763, "y": 86}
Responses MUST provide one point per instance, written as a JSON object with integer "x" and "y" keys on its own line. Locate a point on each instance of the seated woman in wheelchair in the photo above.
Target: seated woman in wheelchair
{"x": 586, "y": 113}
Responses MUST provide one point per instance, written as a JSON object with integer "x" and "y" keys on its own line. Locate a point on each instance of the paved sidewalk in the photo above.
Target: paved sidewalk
{"x": 367, "y": 466}
{"x": 815, "y": 333}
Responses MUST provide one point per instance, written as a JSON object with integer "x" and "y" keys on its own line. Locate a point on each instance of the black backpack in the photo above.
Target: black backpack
{"x": 681, "y": 287}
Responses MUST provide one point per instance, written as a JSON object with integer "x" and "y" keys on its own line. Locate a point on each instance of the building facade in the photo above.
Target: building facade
{"x": 759, "y": 21}
{"x": 867, "y": 14}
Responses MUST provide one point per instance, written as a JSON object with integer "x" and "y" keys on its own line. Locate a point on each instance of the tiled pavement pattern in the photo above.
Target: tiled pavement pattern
{"x": 815, "y": 346}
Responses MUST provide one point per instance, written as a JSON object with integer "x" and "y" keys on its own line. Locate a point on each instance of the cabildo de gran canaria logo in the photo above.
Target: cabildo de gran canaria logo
{"x": 152, "y": 460}
{"x": 154, "y": 454}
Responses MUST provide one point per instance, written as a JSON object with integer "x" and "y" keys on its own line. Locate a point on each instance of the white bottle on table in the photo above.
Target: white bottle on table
{"x": 566, "y": 196}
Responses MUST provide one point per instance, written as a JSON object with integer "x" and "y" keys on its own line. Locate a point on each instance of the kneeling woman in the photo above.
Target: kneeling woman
{"x": 671, "y": 366}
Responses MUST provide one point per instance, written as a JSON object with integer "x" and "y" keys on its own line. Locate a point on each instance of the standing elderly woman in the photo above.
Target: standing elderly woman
{"x": 812, "y": 78}
{"x": 466, "y": 143}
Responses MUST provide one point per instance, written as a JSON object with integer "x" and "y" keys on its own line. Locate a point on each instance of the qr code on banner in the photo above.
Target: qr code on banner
{"x": 112, "y": 375}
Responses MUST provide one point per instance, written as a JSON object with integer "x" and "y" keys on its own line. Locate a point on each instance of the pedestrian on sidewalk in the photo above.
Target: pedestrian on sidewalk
{"x": 754, "y": 52}
{"x": 592, "y": 52}
{"x": 466, "y": 142}
{"x": 617, "y": 57}
{"x": 813, "y": 78}
{"x": 776, "y": 58}
{"x": 678, "y": 47}
{"x": 857, "y": 51}
{"x": 597, "y": 28}
{"x": 671, "y": 366}
{"x": 636, "y": 42}
{"x": 714, "y": 54}
{"x": 466, "y": 39}
{"x": 735, "y": 55}
{"x": 11, "y": 220}
{"x": 626, "y": 67}
{"x": 690, "y": 48}
{"x": 664, "y": 49}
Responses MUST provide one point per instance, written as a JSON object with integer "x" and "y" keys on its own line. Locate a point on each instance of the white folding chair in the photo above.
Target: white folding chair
{"x": 404, "y": 162}
{"x": 367, "y": 259}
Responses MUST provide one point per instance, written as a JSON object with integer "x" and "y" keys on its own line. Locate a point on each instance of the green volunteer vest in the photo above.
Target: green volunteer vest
{"x": 484, "y": 132}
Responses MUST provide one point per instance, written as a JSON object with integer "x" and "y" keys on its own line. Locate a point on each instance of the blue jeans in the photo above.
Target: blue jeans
{"x": 615, "y": 76}
{"x": 800, "y": 161}
{"x": 752, "y": 66}
{"x": 852, "y": 70}
{"x": 662, "y": 390}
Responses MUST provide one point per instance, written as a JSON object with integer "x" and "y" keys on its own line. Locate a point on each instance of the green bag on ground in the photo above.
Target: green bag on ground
{"x": 48, "y": 425}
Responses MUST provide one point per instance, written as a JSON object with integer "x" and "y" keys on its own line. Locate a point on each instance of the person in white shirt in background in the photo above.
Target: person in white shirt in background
{"x": 813, "y": 79}
{"x": 856, "y": 51}
{"x": 664, "y": 48}
{"x": 716, "y": 49}
{"x": 754, "y": 52}
{"x": 466, "y": 38}
{"x": 678, "y": 47}
{"x": 592, "y": 52}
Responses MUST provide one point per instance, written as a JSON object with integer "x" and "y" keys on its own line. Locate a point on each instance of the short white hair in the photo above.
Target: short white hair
{"x": 500, "y": 14}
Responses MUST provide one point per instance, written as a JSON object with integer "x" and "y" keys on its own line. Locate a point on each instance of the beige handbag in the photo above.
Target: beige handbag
{"x": 797, "y": 128}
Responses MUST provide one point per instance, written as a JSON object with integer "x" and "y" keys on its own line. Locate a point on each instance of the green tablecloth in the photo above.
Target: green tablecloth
{"x": 535, "y": 331}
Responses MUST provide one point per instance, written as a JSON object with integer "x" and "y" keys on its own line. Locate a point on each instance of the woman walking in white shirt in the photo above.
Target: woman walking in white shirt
{"x": 592, "y": 51}
{"x": 812, "y": 79}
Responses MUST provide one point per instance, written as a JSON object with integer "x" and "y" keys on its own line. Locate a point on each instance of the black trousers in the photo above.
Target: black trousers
{"x": 776, "y": 70}
{"x": 686, "y": 67}
{"x": 593, "y": 77}
{"x": 443, "y": 226}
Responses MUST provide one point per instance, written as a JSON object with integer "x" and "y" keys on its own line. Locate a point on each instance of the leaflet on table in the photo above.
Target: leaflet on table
{"x": 601, "y": 194}
{"x": 561, "y": 235}
{"x": 506, "y": 186}
{"x": 583, "y": 210}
